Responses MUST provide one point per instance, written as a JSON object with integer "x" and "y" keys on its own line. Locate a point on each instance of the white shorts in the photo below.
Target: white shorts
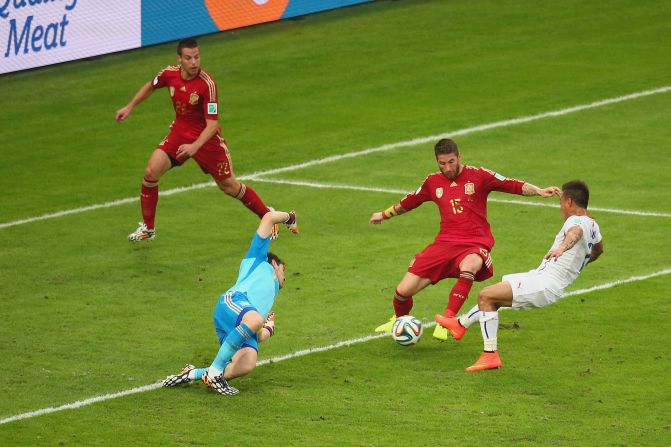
{"x": 530, "y": 290}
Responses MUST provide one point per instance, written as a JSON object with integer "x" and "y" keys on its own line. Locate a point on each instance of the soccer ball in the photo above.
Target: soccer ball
{"x": 407, "y": 330}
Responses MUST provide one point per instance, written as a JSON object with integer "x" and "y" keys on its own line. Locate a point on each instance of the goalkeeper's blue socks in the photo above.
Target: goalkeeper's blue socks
{"x": 230, "y": 346}
{"x": 197, "y": 374}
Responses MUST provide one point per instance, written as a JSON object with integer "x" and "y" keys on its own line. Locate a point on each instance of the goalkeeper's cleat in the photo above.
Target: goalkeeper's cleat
{"x": 452, "y": 324}
{"x": 386, "y": 327}
{"x": 219, "y": 384}
{"x": 487, "y": 360}
{"x": 142, "y": 234}
{"x": 291, "y": 223}
{"x": 179, "y": 378}
{"x": 440, "y": 333}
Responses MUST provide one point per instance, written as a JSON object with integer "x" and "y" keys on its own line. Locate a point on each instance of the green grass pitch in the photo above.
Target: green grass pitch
{"x": 86, "y": 314}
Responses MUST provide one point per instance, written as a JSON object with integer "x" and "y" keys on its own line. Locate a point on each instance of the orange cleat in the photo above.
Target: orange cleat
{"x": 487, "y": 360}
{"x": 452, "y": 323}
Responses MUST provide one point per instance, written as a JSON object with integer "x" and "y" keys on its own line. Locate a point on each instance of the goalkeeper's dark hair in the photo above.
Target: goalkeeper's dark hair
{"x": 273, "y": 257}
{"x": 445, "y": 147}
{"x": 577, "y": 191}
{"x": 186, "y": 43}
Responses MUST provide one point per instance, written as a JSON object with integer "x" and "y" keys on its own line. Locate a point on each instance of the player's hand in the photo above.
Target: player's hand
{"x": 122, "y": 113}
{"x": 376, "y": 218}
{"x": 554, "y": 254}
{"x": 550, "y": 191}
{"x": 186, "y": 151}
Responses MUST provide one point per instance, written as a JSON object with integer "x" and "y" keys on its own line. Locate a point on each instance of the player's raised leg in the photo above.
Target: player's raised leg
{"x": 410, "y": 285}
{"x": 244, "y": 194}
{"x": 468, "y": 267}
{"x": 159, "y": 163}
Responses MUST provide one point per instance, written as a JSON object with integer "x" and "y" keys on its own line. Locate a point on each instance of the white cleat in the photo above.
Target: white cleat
{"x": 219, "y": 384}
{"x": 142, "y": 234}
{"x": 179, "y": 378}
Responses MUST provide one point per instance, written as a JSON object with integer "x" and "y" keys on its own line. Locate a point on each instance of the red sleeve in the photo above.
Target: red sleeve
{"x": 210, "y": 106}
{"x": 416, "y": 198}
{"x": 160, "y": 79}
{"x": 496, "y": 182}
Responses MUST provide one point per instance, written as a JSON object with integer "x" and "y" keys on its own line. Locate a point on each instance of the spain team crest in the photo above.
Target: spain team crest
{"x": 469, "y": 188}
{"x": 193, "y": 98}
{"x": 439, "y": 192}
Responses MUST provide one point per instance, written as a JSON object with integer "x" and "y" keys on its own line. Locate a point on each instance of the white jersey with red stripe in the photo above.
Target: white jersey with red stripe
{"x": 562, "y": 272}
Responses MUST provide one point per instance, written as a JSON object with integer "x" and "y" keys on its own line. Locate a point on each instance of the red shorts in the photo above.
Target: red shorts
{"x": 213, "y": 157}
{"x": 441, "y": 260}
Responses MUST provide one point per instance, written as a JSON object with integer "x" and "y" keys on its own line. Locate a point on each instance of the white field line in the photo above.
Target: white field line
{"x": 465, "y": 131}
{"x": 167, "y": 192}
{"x": 400, "y": 191}
{"x": 385, "y": 147}
{"x": 304, "y": 352}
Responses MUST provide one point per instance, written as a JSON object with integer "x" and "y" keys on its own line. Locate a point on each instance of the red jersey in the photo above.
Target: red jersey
{"x": 463, "y": 203}
{"x": 194, "y": 100}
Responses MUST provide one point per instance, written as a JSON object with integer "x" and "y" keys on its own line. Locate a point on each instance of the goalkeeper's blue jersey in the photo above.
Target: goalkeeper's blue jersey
{"x": 256, "y": 277}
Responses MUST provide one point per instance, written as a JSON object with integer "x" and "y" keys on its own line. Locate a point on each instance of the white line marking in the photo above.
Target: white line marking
{"x": 304, "y": 352}
{"x": 608, "y": 285}
{"x": 491, "y": 199}
{"x": 465, "y": 131}
{"x": 385, "y": 147}
{"x": 168, "y": 192}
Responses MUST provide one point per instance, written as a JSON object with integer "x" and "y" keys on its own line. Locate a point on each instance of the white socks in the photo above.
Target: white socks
{"x": 489, "y": 325}
{"x": 470, "y": 317}
{"x": 213, "y": 372}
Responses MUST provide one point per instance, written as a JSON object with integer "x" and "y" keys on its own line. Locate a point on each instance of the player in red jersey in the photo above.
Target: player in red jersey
{"x": 462, "y": 247}
{"x": 195, "y": 133}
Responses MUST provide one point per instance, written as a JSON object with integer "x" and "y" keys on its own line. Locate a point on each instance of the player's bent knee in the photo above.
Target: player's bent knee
{"x": 484, "y": 298}
{"x": 232, "y": 188}
{"x": 253, "y": 320}
{"x": 150, "y": 177}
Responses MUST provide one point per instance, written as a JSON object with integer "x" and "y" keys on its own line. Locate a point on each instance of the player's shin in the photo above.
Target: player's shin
{"x": 402, "y": 304}
{"x": 489, "y": 325}
{"x": 459, "y": 293}
{"x": 230, "y": 346}
{"x": 251, "y": 200}
{"x": 148, "y": 203}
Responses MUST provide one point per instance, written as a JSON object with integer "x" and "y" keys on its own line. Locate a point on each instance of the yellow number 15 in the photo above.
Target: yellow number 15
{"x": 456, "y": 206}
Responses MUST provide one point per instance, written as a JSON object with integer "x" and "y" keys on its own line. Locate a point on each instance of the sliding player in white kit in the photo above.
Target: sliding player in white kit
{"x": 576, "y": 244}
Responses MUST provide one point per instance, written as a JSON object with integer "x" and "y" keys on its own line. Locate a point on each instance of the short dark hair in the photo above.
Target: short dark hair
{"x": 186, "y": 43}
{"x": 577, "y": 191}
{"x": 446, "y": 146}
{"x": 273, "y": 257}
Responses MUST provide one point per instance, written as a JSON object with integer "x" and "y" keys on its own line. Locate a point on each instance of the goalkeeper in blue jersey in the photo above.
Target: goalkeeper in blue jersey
{"x": 242, "y": 316}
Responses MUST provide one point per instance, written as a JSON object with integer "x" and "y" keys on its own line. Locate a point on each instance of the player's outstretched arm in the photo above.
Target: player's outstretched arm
{"x": 532, "y": 190}
{"x": 274, "y": 217}
{"x": 394, "y": 210}
{"x": 145, "y": 92}
{"x": 573, "y": 235}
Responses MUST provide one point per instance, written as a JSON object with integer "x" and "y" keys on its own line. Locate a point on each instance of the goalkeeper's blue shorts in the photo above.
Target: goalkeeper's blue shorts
{"x": 228, "y": 313}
